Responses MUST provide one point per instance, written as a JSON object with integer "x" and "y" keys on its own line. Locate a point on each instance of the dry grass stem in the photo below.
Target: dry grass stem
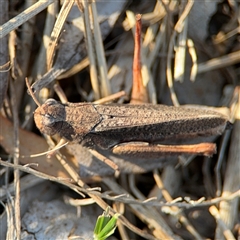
{"x": 66, "y": 7}
{"x": 225, "y": 230}
{"x": 180, "y": 53}
{"x": 177, "y": 212}
{"x": 110, "y": 98}
{"x": 23, "y": 17}
{"x": 92, "y": 60}
{"x": 40, "y": 65}
{"x": 220, "y": 62}
{"x": 75, "y": 69}
{"x": 11, "y": 231}
{"x": 17, "y": 213}
{"x": 228, "y": 209}
{"x": 177, "y": 29}
{"x": 59, "y": 91}
{"x": 123, "y": 197}
{"x": 78, "y": 202}
{"x": 193, "y": 55}
{"x": 4, "y": 54}
{"x": 101, "y": 60}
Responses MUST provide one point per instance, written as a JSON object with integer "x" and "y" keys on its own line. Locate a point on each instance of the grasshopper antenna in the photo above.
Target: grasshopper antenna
{"x": 31, "y": 93}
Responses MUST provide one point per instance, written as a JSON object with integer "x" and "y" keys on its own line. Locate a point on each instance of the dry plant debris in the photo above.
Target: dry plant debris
{"x": 83, "y": 51}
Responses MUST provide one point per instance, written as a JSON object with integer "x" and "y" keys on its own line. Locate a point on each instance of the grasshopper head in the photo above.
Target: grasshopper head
{"x": 48, "y": 117}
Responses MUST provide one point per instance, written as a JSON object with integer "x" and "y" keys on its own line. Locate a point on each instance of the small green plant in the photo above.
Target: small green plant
{"x": 105, "y": 225}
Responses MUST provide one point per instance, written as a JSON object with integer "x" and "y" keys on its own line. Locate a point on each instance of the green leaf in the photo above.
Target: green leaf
{"x": 105, "y": 226}
{"x": 101, "y": 223}
{"x": 109, "y": 228}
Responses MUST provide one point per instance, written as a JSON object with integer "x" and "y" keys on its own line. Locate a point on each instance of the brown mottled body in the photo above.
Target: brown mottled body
{"x": 108, "y": 125}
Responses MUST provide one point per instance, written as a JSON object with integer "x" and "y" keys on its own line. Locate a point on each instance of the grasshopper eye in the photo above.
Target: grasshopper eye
{"x": 48, "y": 120}
{"x": 51, "y": 101}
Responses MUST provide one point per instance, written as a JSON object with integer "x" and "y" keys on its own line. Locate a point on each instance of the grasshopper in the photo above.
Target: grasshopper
{"x": 109, "y": 125}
